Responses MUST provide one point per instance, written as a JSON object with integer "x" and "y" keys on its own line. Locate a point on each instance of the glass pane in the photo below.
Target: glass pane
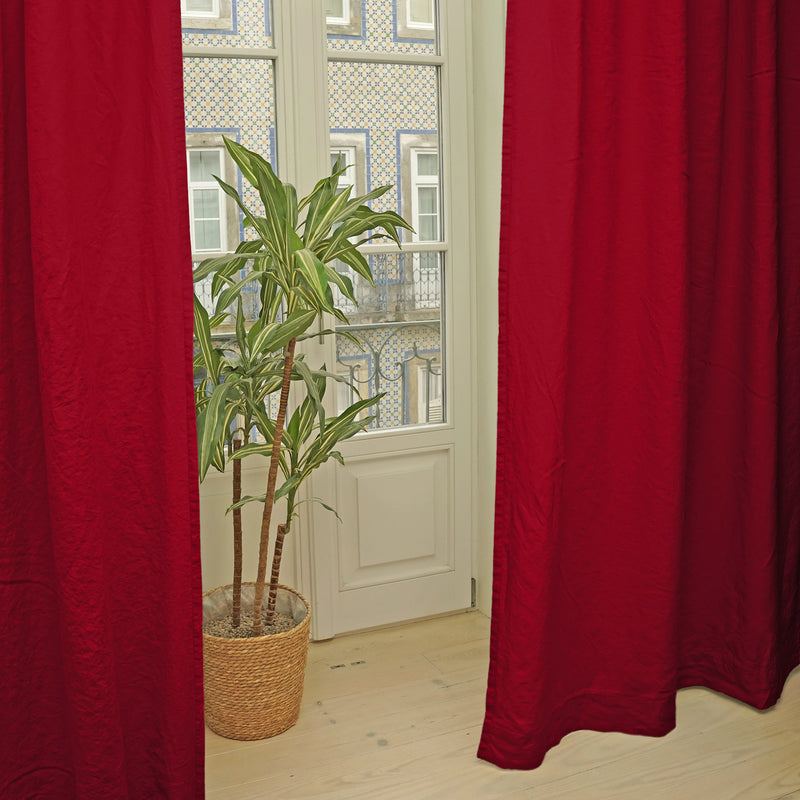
{"x": 427, "y": 228}
{"x": 206, "y": 203}
{"x": 420, "y": 11}
{"x": 428, "y": 197}
{"x": 203, "y": 165}
{"x": 387, "y": 26}
{"x": 398, "y": 322}
{"x": 239, "y": 23}
{"x": 206, "y": 235}
{"x": 427, "y": 163}
{"x": 334, "y": 8}
{"x": 200, "y": 5}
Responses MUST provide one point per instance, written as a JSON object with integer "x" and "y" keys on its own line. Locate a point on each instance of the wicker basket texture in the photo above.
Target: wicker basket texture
{"x": 253, "y": 687}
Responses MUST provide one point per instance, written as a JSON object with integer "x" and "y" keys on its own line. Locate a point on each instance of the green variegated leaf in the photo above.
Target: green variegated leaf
{"x": 323, "y": 216}
{"x": 233, "y": 291}
{"x": 340, "y": 315}
{"x": 290, "y": 486}
{"x": 228, "y": 264}
{"x": 241, "y": 333}
{"x": 291, "y": 206}
{"x": 202, "y": 332}
{"x": 353, "y": 258}
{"x": 313, "y": 270}
{"x": 324, "y": 505}
{"x": 252, "y": 449}
{"x": 305, "y": 421}
{"x": 342, "y": 281}
{"x": 272, "y": 194}
{"x": 307, "y": 376}
{"x": 320, "y": 197}
{"x": 262, "y": 421}
{"x": 245, "y": 159}
{"x": 261, "y": 225}
{"x": 313, "y": 334}
{"x": 364, "y": 219}
{"x": 277, "y": 335}
{"x": 217, "y": 319}
{"x": 212, "y": 424}
{"x": 305, "y": 295}
{"x": 293, "y": 425}
{"x": 341, "y": 427}
{"x": 258, "y": 498}
{"x": 350, "y": 338}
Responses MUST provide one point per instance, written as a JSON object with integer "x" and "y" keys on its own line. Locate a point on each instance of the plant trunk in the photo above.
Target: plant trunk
{"x": 236, "y": 610}
{"x": 266, "y": 517}
{"x": 283, "y": 529}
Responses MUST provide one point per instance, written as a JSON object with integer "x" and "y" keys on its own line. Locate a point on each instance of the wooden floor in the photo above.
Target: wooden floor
{"x": 397, "y": 714}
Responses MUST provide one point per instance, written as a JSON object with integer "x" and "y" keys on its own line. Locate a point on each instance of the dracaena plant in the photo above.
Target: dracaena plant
{"x": 290, "y": 264}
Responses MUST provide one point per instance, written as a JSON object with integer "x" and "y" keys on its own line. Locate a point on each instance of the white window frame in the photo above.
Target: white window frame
{"x": 205, "y": 185}
{"x": 417, "y": 24}
{"x": 422, "y": 298}
{"x": 424, "y": 182}
{"x": 430, "y": 410}
{"x": 213, "y": 14}
{"x": 344, "y": 19}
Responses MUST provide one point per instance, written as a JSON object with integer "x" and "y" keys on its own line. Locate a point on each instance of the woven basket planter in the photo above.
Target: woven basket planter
{"x": 253, "y": 687}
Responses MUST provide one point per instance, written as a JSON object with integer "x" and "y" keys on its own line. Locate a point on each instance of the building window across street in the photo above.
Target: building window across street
{"x": 206, "y": 200}
{"x": 420, "y": 14}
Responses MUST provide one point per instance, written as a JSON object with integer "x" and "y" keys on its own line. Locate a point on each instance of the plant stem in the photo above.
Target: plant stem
{"x": 236, "y": 610}
{"x": 283, "y": 529}
{"x": 269, "y": 500}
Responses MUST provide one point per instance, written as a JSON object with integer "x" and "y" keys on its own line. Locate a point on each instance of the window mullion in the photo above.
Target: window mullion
{"x": 303, "y": 93}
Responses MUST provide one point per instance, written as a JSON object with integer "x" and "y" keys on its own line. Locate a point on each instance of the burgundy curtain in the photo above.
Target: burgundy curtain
{"x": 100, "y": 643}
{"x": 648, "y": 485}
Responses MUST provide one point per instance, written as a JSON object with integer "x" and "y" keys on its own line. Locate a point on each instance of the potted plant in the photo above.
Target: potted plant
{"x": 253, "y": 667}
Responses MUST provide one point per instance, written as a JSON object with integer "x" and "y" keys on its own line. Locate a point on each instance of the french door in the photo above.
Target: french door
{"x": 382, "y": 85}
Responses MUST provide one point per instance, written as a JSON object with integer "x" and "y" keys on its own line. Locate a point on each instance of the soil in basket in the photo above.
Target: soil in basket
{"x": 224, "y": 626}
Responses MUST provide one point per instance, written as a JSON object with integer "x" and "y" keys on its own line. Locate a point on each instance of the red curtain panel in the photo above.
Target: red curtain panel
{"x": 648, "y": 484}
{"x": 100, "y": 640}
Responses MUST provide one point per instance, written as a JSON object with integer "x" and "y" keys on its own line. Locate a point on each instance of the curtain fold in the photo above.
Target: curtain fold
{"x": 100, "y": 642}
{"x": 647, "y": 530}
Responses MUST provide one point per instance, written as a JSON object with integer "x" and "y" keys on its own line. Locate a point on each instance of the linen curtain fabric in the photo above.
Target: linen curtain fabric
{"x": 648, "y": 482}
{"x": 100, "y": 649}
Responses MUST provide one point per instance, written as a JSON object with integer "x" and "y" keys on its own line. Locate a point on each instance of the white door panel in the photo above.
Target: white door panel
{"x": 396, "y": 523}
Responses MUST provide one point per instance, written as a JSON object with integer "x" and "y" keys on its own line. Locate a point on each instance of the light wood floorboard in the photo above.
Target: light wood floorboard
{"x": 396, "y": 714}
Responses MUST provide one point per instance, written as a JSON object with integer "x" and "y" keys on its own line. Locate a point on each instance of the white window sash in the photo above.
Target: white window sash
{"x": 420, "y": 24}
{"x": 187, "y": 12}
{"x": 344, "y": 19}
{"x": 423, "y": 181}
{"x": 207, "y": 185}
{"x": 429, "y": 394}
{"x": 347, "y": 178}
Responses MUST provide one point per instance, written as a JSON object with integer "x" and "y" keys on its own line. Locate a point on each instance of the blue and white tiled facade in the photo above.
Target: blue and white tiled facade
{"x": 382, "y": 31}
{"x": 383, "y": 99}
{"x": 250, "y": 26}
{"x": 233, "y": 96}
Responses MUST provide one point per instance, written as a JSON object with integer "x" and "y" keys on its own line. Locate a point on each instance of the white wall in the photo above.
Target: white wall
{"x": 488, "y": 74}
{"x": 216, "y": 528}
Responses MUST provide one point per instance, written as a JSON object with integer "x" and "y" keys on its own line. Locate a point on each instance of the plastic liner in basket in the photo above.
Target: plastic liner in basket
{"x": 219, "y": 603}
